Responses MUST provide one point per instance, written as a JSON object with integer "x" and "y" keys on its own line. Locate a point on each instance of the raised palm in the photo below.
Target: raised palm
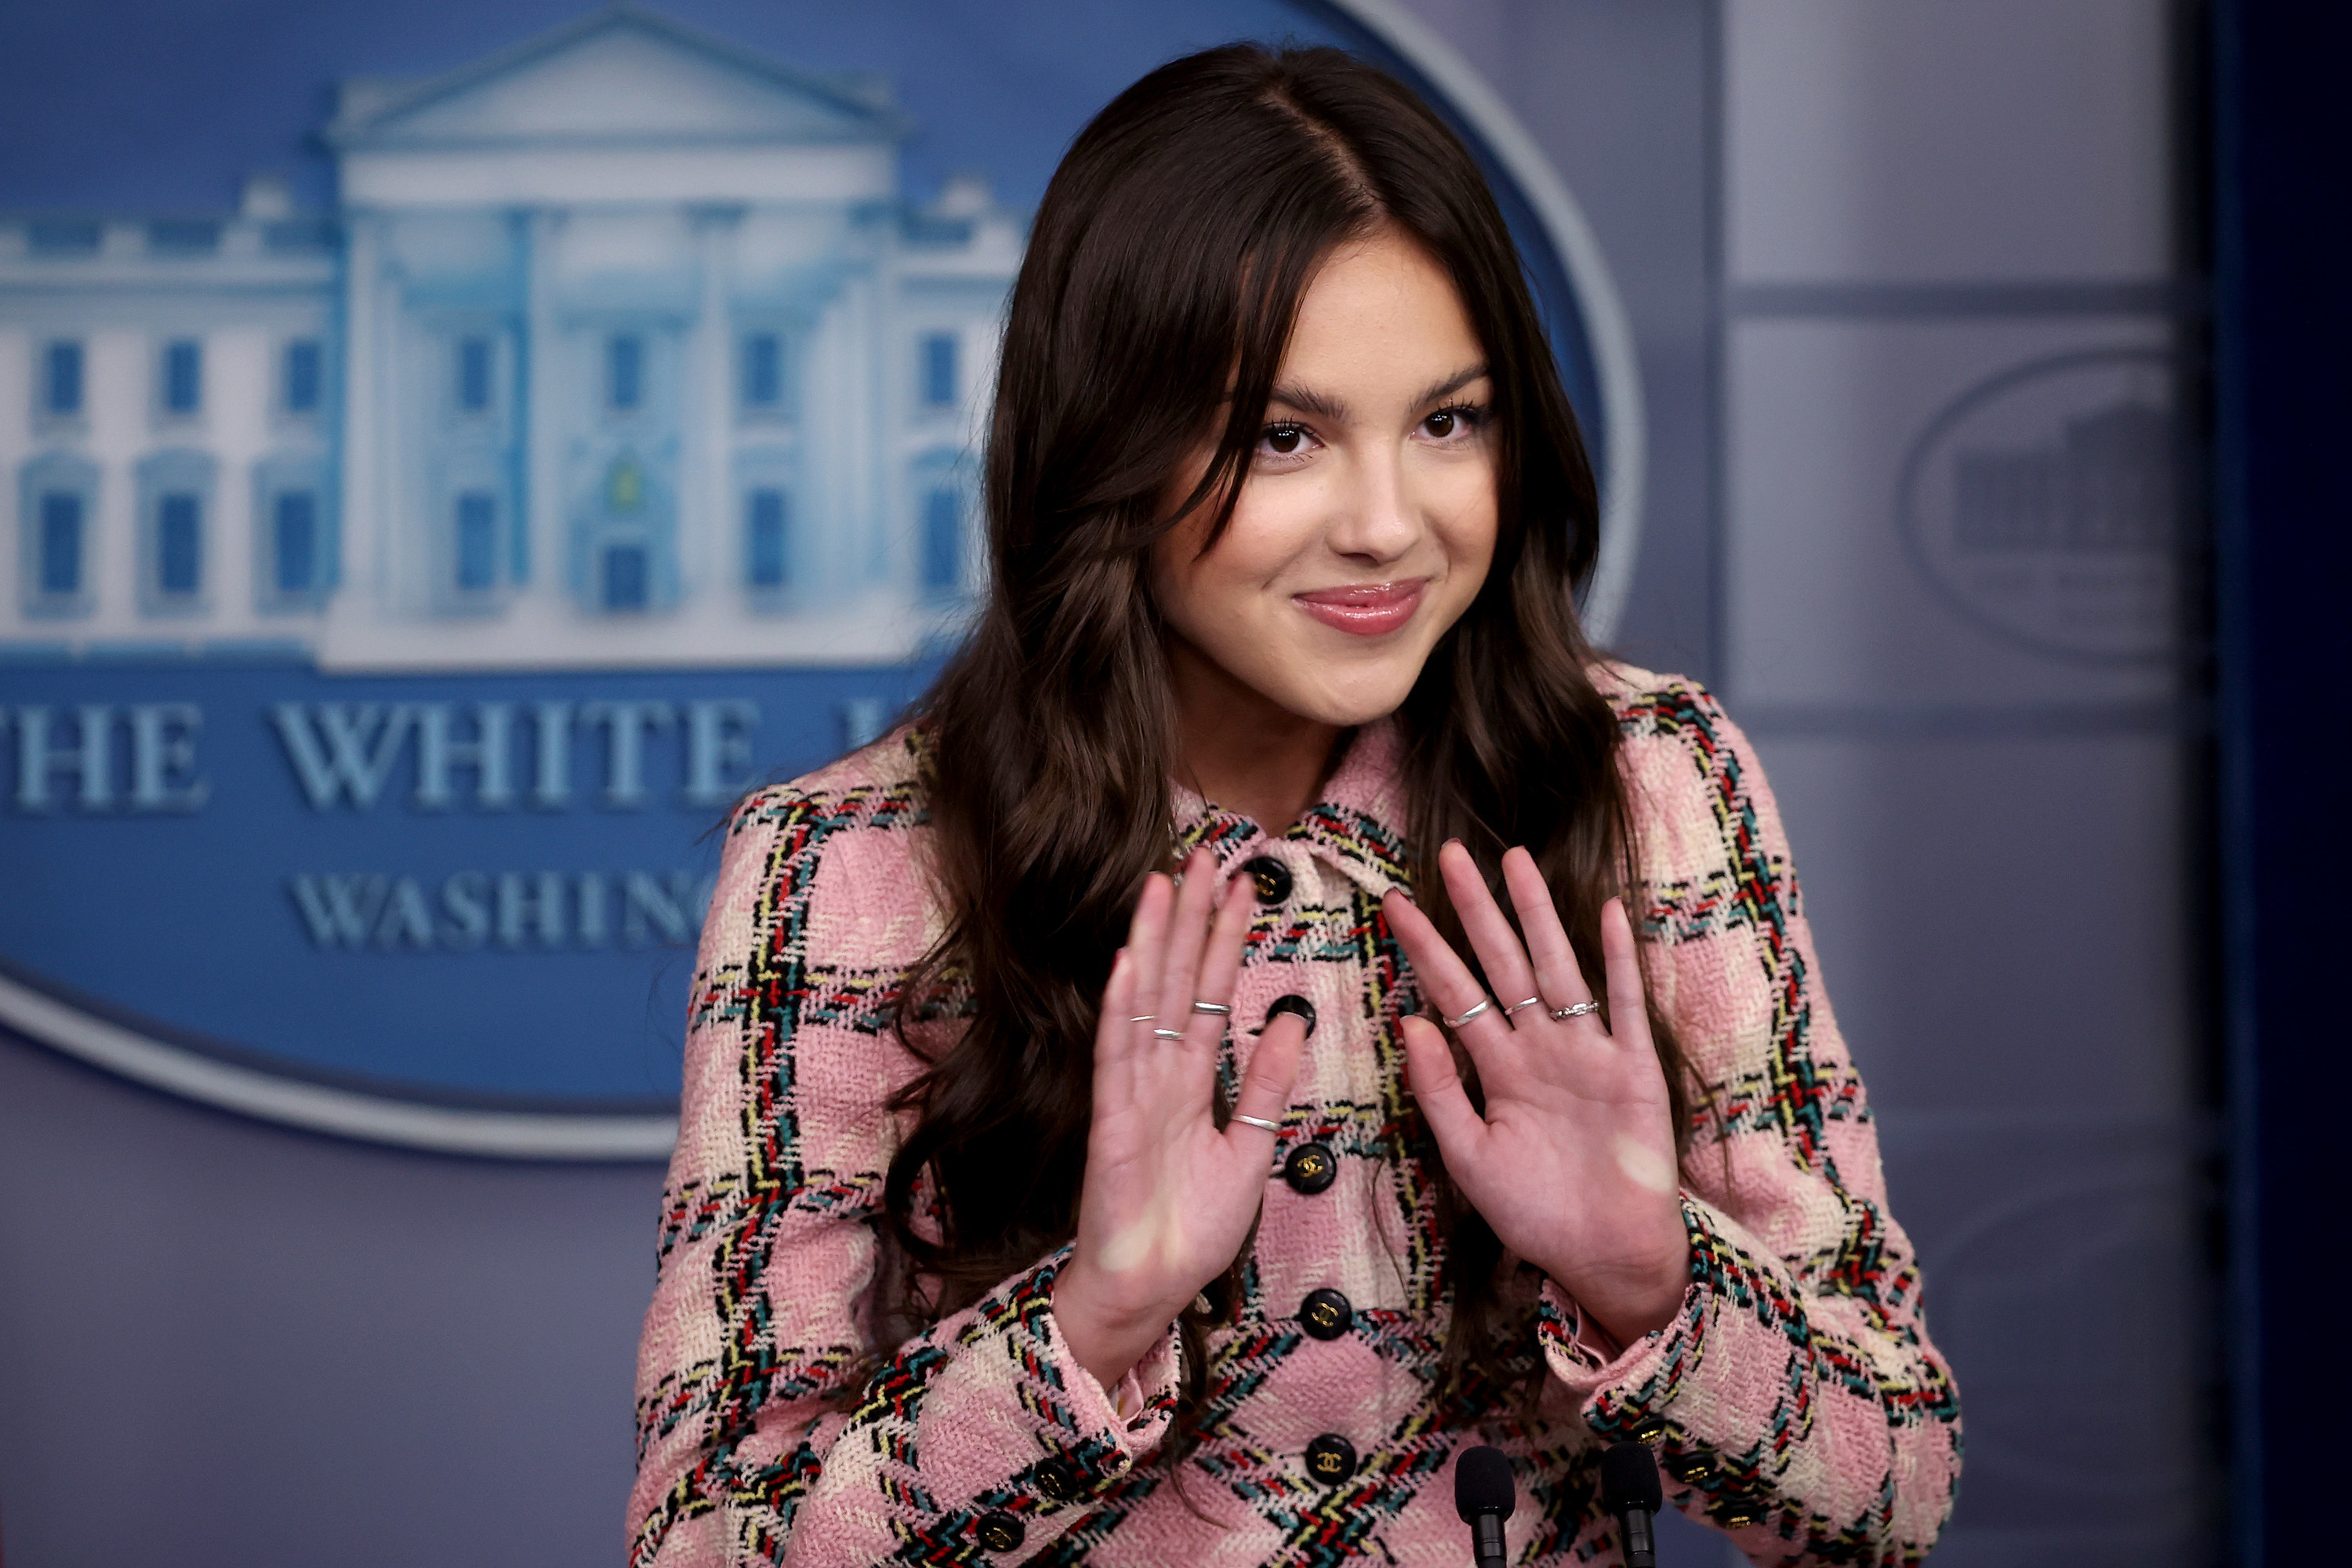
{"x": 1170, "y": 1196}
{"x": 1573, "y": 1162}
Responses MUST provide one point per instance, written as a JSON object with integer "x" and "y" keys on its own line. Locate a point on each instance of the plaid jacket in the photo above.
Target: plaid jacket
{"x": 1796, "y": 1402}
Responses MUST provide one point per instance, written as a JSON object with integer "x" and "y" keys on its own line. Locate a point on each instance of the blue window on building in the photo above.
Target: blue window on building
{"x": 302, "y": 376}
{"x": 939, "y": 370}
{"x": 184, "y": 376}
{"x": 61, "y": 383}
{"x": 61, "y": 544}
{"x": 763, "y": 371}
{"x": 477, "y": 541}
{"x": 179, "y": 543}
{"x": 771, "y": 376}
{"x": 473, "y": 376}
{"x": 625, "y": 573}
{"x": 766, "y": 524}
{"x": 294, "y": 542}
{"x": 942, "y": 541}
{"x": 624, "y": 372}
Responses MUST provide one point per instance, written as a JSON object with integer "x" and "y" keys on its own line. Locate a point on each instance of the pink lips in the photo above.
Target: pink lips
{"x": 1368, "y": 609}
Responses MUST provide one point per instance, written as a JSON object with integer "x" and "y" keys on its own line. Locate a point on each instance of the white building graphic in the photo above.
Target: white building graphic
{"x": 622, "y": 348}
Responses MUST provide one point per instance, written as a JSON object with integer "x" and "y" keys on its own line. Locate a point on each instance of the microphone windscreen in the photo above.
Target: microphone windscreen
{"x": 1482, "y": 1484}
{"x": 1629, "y": 1478}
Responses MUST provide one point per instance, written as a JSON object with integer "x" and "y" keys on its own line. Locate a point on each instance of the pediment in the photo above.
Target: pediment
{"x": 617, "y": 76}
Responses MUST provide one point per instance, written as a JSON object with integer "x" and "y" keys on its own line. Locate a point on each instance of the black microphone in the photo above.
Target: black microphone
{"x": 1483, "y": 1497}
{"x": 1630, "y": 1489}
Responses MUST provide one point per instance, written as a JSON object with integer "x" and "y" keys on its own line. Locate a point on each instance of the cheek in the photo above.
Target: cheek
{"x": 1270, "y": 527}
{"x": 1205, "y": 599}
{"x": 1466, "y": 526}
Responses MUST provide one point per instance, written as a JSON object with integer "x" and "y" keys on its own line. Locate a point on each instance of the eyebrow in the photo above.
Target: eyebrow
{"x": 1307, "y": 400}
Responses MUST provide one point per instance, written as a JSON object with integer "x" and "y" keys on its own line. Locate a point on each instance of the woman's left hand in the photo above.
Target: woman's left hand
{"x": 1573, "y": 1163}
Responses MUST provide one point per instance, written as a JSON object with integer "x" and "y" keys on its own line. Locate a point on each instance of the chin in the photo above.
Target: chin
{"x": 1349, "y": 705}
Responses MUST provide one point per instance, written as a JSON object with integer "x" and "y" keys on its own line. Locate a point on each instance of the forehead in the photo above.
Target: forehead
{"x": 1380, "y": 308}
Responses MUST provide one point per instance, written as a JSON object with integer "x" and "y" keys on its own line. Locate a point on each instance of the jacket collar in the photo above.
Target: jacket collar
{"x": 1357, "y": 825}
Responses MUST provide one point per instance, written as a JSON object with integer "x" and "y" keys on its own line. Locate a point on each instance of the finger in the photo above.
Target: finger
{"x": 1221, "y": 965}
{"x": 1559, "y": 977}
{"x": 1491, "y": 936}
{"x": 1437, "y": 1086}
{"x": 1147, "y": 940}
{"x": 1188, "y": 929}
{"x": 1446, "y": 981}
{"x": 1114, "y": 1037}
{"x": 1629, "y": 1018}
{"x": 1265, "y": 1088}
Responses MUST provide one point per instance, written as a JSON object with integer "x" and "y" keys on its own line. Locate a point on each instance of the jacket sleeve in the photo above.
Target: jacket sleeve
{"x": 1796, "y": 1402}
{"x": 768, "y": 1431}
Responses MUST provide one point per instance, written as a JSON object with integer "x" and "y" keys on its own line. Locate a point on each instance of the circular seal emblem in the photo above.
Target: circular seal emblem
{"x": 411, "y": 562}
{"x": 2043, "y": 504}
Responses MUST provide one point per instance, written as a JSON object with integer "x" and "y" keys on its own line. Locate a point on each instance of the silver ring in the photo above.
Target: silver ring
{"x": 1457, "y": 1023}
{"x": 1147, "y": 1018}
{"x": 1170, "y": 1033}
{"x": 1531, "y": 1002}
{"x": 1578, "y": 1011}
{"x": 1259, "y": 1121}
{"x": 1216, "y": 1009}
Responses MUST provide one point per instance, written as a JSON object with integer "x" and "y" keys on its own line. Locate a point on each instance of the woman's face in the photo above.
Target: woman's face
{"x": 1367, "y": 520}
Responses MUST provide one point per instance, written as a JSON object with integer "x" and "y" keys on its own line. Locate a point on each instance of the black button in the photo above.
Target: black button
{"x": 1292, "y": 1004}
{"x": 1057, "y": 1481}
{"x": 1325, "y": 1314}
{"x": 1000, "y": 1532}
{"x": 1691, "y": 1468}
{"x": 1270, "y": 877}
{"x": 1330, "y": 1458}
{"x": 1310, "y": 1168}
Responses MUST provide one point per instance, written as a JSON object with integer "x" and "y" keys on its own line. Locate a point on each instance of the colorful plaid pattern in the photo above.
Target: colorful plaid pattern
{"x": 1796, "y": 1402}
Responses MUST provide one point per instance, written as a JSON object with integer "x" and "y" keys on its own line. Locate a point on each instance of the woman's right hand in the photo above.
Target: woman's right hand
{"x": 1169, "y": 1197}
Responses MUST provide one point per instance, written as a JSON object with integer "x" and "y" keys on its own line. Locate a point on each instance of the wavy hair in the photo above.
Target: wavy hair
{"x": 1162, "y": 277}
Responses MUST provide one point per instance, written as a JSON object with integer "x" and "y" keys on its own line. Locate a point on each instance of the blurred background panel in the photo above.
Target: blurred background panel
{"x": 1962, "y": 504}
{"x": 1916, "y": 335}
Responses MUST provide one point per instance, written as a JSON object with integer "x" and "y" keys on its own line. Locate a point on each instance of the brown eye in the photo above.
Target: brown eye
{"x": 1283, "y": 439}
{"x": 1440, "y": 424}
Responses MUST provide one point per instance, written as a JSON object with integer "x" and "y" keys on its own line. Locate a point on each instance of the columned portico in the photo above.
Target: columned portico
{"x": 639, "y": 328}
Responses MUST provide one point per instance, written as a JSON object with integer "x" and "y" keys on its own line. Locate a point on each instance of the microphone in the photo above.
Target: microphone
{"x": 1630, "y": 1489}
{"x": 1483, "y": 1497}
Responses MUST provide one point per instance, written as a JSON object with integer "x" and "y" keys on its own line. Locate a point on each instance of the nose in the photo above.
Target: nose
{"x": 1374, "y": 520}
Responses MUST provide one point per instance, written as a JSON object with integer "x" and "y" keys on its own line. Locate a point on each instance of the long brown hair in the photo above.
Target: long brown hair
{"x": 1163, "y": 277}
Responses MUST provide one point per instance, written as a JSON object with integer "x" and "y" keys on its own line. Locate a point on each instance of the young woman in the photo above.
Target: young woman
{"x": 1285, "y": 1010}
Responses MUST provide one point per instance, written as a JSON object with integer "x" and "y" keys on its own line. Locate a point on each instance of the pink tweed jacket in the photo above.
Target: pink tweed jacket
{"x": 1795, "y": 1403}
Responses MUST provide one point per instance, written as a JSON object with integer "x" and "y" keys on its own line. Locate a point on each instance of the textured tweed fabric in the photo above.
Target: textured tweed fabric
{"x": 1796, "y": 1402}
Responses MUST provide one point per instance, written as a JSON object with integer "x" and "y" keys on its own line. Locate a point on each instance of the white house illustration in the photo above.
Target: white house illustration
{"x": 622, "y": 348}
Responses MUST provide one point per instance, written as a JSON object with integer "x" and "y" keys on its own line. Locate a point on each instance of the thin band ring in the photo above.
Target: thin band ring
{"x": 1576, "y": 1011}
{"x": 1531, "y": 1002}
{"x": 1168, "y": 1034}
{"x": 1259, "y": 1121}
{"x": 1457, "y": 1023}
{"x": 1147, "y": 1018}
{"x": 1216, "y": 1009}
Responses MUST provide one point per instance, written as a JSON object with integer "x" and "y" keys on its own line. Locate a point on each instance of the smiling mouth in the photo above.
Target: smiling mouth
{"x": 1365, "y": 609}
